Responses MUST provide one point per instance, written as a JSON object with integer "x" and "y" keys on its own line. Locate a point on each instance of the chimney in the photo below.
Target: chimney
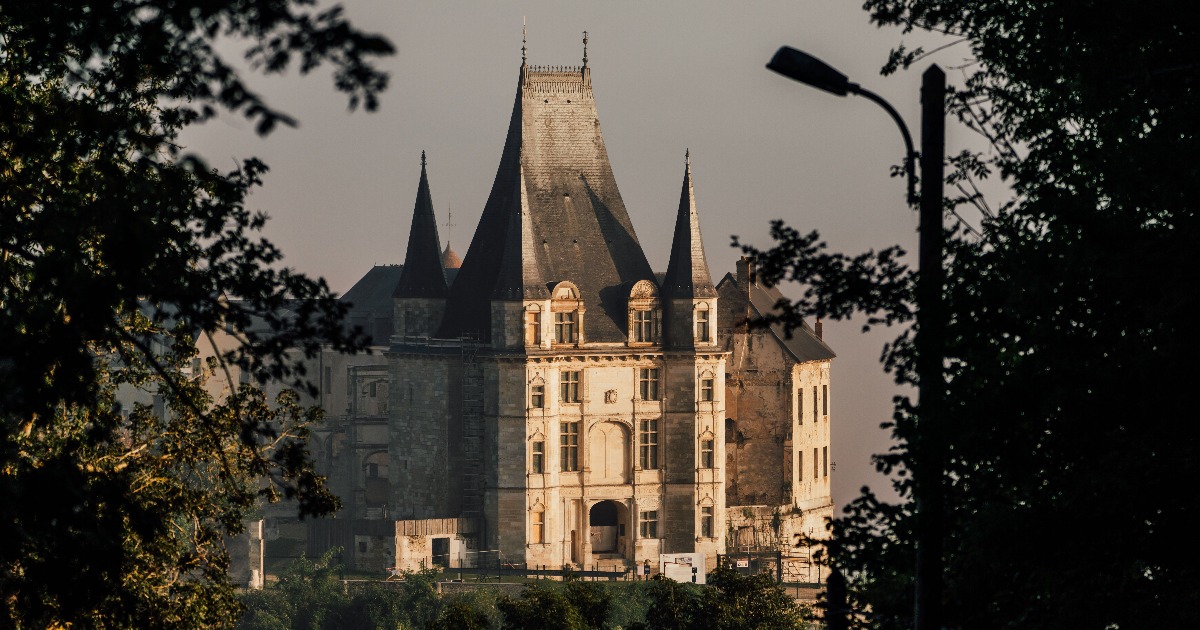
{"x": 746, "y": 274}
{"x": 819, "y": 329}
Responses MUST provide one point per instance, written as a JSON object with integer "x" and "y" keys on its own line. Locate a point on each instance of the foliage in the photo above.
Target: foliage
{"x": 592, "y": 600}
{"x": 673, "y": 605}
{"x": 468, "y": 611}
{"x": 754, "y": 601}
{"x": 540, "y": 608}
{"x": 311, "y": 595}
{"x": 730, "y": 601}
{"x": 118, "y": 256}
{"x": 1070, "y": 325}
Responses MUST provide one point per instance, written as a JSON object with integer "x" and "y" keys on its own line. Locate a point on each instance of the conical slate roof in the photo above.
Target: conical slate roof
{"x": 423, "y": 275}
{"x": 519, "y": 277}
{"x": 687, "y": 272}
{"x": 554, "y": 214}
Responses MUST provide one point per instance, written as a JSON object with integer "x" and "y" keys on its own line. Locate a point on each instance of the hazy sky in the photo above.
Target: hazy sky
{"x": 667, "y": 76}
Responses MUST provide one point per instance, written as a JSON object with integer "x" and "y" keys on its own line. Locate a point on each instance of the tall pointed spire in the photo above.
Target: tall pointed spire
{"x": 522, "y": 40}
{"x": 422, "y": 275}
{"x": 687, "y": 272}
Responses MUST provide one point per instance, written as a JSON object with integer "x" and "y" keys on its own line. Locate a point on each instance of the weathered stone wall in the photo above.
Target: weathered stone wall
{"x": 418, "y": 317}
{"x": 425, "y": 414}
{"x": 785, "y": 529}
{"x": 758, "y": 401}
{"x": 776, "y": 426}
{"x": 506, "y": 459}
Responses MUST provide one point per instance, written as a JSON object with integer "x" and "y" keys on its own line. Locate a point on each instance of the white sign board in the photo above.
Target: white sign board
{"x": 743, "y": 564}
{"x": 679, "y": 566}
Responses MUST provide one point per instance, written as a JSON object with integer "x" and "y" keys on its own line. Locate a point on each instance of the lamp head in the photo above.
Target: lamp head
{"x": 809, "y": 70}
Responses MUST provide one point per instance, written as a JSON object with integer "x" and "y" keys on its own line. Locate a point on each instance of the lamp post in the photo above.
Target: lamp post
{"x": 926, "y": 444}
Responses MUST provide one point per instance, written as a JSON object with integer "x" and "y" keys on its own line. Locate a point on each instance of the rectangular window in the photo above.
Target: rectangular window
{"x": 537, "y": 463}
{"x": 800, "y": 405}
{"x": 537, "y": 396}
{"x": 564, "y": 327}
{"x": 825, "y": 400}
{"x": 568, "y": 386}
{"x": 706, "y": 453}
{"x": 707, "y": 385}
{"x": 648, "y": 383}
{"x": 649, "y": 524}
{"x": 824, "y": 461}
{"x": 643, "y": 326}
{"x": 374, "y": 389}
{"x": 537, "y": 527}
{"x": 815, "y": 418}
{"x": 702, "y": 325}
{"x": 649, "y": 444}
{"x": 706, "y": 522}
{"x": 533, "y": 328}
{"x": 816, "y": 466}
{"x": 569, "y": 442}
{"x": 799, "y": 465}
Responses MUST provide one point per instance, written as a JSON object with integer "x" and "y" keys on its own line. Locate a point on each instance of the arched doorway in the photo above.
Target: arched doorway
{"x": 605, "y": 524}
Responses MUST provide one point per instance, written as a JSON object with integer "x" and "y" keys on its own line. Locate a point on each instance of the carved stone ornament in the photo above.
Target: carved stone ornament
{"x": 610, "y": 396}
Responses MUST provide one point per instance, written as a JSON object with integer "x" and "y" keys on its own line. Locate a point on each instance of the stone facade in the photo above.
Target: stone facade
{"x": 552, "y": 401}
{"x": 572, "y": 406}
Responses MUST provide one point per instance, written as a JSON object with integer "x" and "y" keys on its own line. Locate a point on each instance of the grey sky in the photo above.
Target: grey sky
{"x": 667, "y": 76}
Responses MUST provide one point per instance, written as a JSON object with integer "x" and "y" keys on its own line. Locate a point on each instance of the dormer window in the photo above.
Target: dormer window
{"x": 568, "y": 314}
{"x": 645, "y": 321}
{"x": 645, "y": 326}
{"x": 703, "y": 324}
{"x": 564, "y": 327}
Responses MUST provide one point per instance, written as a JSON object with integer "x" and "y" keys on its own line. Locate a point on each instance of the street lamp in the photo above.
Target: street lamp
{"x": 926, "y": 445}
{"x": 809, "y": 70}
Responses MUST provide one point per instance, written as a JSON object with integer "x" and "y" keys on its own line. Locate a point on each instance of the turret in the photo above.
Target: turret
{"x": 687, "y": 289}
{"x": 420, "y": 296}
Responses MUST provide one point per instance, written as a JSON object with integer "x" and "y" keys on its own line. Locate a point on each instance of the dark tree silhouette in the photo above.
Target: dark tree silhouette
{"x": 1069, "y": 360}
{"x": 118, "y": 255}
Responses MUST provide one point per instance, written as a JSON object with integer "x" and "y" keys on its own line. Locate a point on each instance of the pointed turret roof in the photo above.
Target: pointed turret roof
{"x": 422, "y": 276}
{"x": 687, "y": 272}
{"x": 554, "y": 213}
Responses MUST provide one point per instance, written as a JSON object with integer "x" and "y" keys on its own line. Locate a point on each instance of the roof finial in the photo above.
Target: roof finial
{"x": 585, "y": 49}
{"x": 687, "y": 157}
{"x": 522, "y": 40}
{"x": 422, "y": 158}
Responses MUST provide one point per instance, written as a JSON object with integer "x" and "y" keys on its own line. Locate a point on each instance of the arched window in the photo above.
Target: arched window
{"x": 537, "y": 393}
{"x": 708, "y": 451}
{"x": 708, "y": 518}
{"x": 537, "y": 525}
{"x": 707, "y": 387}
{"x": 533, "y": 325}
